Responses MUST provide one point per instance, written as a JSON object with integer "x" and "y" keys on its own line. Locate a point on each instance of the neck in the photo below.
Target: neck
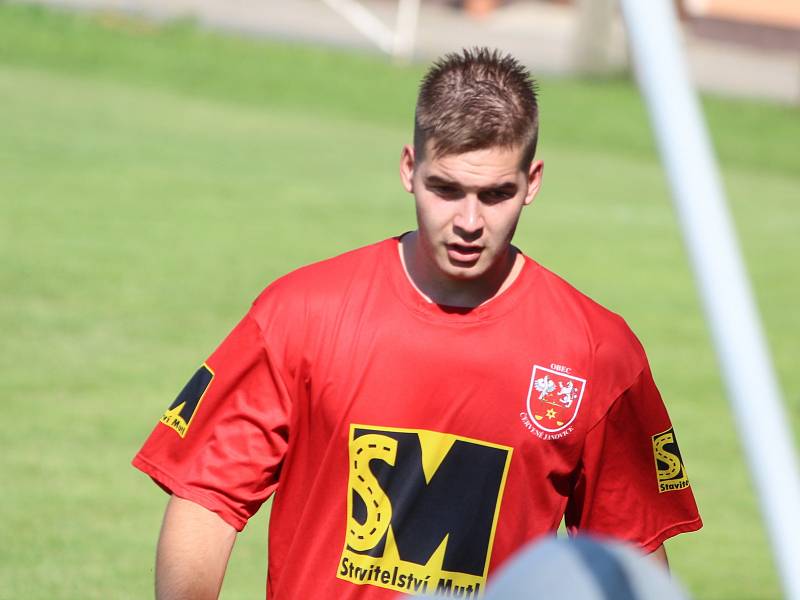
{"x": 440, "y": 288}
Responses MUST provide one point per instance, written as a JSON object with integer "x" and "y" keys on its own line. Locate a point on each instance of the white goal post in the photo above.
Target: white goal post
{"x": 398, "y": 42}
{"x": 720, "y": 274}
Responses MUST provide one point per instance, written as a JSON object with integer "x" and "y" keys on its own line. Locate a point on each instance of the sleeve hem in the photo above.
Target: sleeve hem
{"x": 654, "y": 542}
{"x": 171, "y": 485}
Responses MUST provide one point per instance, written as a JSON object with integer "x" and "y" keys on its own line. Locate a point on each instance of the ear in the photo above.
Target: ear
{"x": 534, "y": 180}
{"x": 407, "y": 163}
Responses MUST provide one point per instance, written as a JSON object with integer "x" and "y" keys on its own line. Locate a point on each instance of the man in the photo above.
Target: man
{"x": 426, "y": 405}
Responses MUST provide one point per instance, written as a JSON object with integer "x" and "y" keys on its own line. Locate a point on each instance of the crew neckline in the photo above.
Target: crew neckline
{"x": 413, "y": 299}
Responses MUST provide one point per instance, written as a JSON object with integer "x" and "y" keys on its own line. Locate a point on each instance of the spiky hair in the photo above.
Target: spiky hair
{"x": 474, "y": 99}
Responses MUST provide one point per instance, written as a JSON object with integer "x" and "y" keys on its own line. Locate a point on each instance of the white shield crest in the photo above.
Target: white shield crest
{"x": 554, "y": 399}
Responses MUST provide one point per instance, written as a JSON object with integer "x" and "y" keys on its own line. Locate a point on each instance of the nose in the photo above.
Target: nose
{"x": 468, "y": 221}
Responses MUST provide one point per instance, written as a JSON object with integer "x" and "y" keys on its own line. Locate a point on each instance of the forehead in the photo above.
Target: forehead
{"x": 477, "y": 167}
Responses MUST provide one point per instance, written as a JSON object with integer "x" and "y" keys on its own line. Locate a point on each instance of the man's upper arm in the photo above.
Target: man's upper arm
{"x": 222, "y": 441}
{"x": 633, "y": 485}
{"x": 660, "y": 554}
{"x": 193, "y": 551}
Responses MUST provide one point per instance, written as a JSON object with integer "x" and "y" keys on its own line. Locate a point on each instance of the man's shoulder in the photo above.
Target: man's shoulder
{"x": 327, "y": 279}
{"x": 335, "y": 267}
{"x": 612, "y": 355}
{"x": 608, "y": 330}
{"x": 561, "y": 292}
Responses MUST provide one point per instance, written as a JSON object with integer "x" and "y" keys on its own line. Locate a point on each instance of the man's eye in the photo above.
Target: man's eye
{"x": 446, "y": 192}
{"x": 491, "y": 196}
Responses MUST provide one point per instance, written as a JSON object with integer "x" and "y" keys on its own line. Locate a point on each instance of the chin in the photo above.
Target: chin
{"x": 463, "y": 273}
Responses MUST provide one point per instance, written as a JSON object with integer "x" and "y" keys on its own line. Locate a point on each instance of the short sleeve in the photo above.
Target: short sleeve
{"x": 632, "y": 483}
{"x": 221, "y": 442}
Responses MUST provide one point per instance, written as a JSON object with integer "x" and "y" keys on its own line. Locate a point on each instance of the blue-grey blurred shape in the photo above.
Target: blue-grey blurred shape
{"x": 582, "y": 568}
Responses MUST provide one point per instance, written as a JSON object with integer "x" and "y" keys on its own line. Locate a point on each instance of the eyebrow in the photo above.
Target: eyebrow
{"x": 435, "y": 180}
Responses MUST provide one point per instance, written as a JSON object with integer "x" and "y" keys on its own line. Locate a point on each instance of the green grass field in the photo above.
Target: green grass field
{"x": 154, "y": 179}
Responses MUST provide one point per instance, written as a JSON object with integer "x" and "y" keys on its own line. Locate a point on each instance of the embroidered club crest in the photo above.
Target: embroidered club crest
{"x": 554, "y": 399}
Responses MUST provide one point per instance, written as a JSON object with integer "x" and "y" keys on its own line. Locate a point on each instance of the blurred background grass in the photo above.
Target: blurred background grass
{"x": 154, "y": 178}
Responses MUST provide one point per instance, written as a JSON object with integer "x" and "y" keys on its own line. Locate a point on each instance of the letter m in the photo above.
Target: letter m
{"x": 442, "y": 486}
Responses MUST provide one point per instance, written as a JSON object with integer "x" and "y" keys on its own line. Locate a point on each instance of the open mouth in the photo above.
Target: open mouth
{"x": 463, "y": 253}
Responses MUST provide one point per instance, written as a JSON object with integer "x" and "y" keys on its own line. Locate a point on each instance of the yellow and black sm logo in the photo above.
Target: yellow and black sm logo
{"x": 669, "y": 463}
{"x": 180, "y": 413}
{"x": 422, "y": 510}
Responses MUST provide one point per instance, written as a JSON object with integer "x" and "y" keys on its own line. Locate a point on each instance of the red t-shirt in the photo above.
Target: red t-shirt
{"x": 414, "y": 447}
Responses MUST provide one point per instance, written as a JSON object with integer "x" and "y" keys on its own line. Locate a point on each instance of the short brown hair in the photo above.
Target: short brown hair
{"x": 477, "y": 99}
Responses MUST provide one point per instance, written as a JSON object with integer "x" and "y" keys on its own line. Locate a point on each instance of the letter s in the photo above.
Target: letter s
{"x": 673, "y": 462}
{"x": 371, "y": 446}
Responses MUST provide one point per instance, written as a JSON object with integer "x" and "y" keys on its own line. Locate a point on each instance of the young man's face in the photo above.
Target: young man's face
{"x": 468, "y": 206}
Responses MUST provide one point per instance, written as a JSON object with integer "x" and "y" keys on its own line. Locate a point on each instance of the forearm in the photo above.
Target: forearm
{"x": 193, "y": 551}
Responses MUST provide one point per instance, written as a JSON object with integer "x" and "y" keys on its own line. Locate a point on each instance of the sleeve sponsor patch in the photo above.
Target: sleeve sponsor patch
{"x": 181, "y": 412}
{"x": 669, "y": 465}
